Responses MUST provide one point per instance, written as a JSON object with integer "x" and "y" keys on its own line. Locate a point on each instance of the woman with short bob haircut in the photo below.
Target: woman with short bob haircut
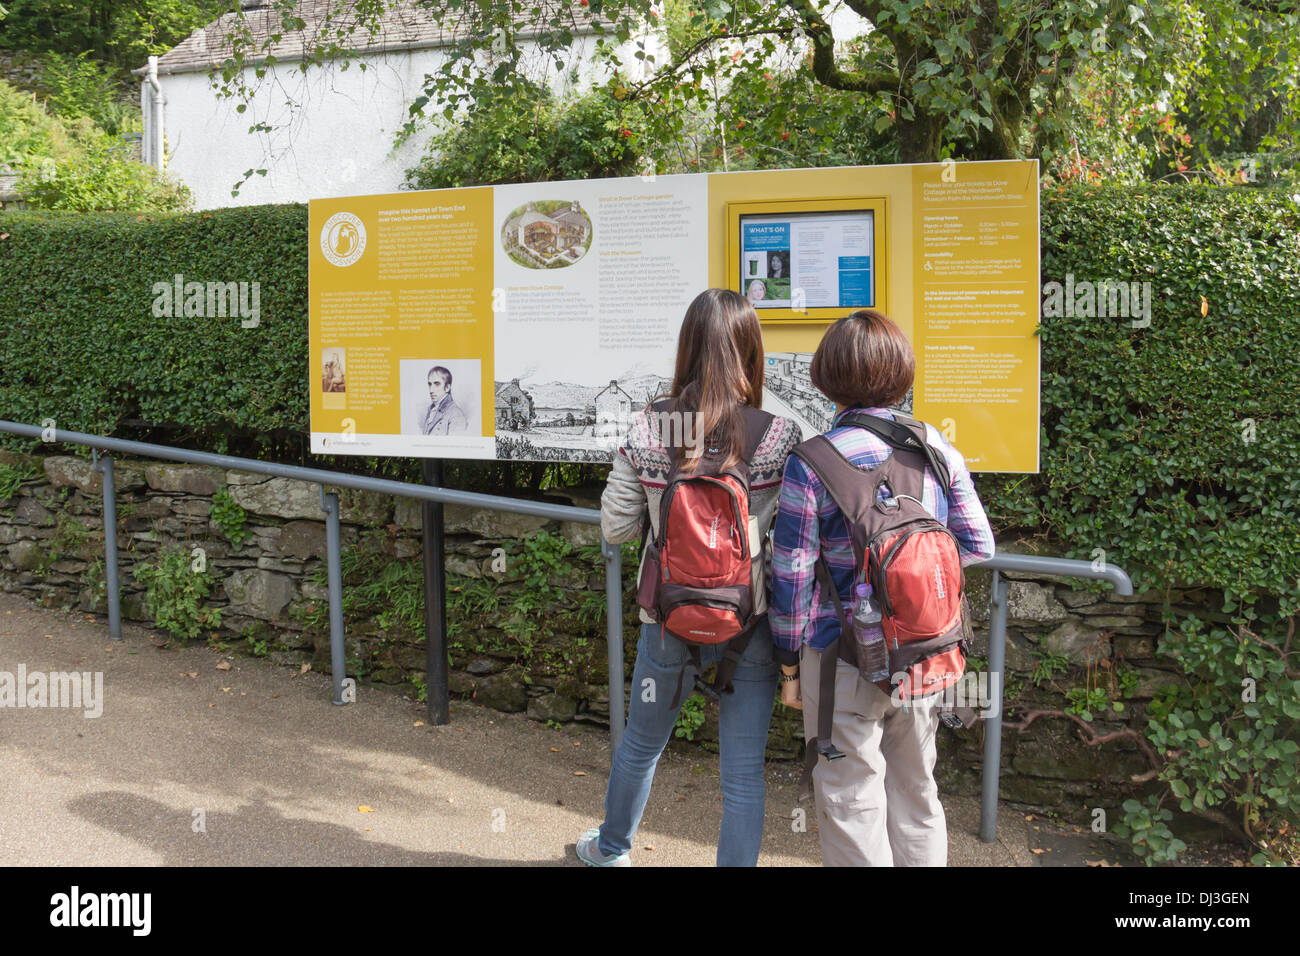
{"x": 878, "y": 806}
{"x": 719, "y": 370}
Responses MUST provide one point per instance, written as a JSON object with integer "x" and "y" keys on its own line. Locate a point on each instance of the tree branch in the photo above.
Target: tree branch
{"x": 823, "y": 47}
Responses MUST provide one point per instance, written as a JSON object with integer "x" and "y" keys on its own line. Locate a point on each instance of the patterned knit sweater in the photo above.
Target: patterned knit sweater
{"x": 640, "y": 475}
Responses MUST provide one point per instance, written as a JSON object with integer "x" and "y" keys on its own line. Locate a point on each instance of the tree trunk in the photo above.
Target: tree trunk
{"x": 920, "y": 138}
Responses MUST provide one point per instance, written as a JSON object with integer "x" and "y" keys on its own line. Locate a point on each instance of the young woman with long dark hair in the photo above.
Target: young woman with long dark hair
{"x": 719, "y": 371}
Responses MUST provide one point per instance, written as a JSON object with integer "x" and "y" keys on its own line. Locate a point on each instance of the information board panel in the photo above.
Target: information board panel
{"x": 532, "y": 321}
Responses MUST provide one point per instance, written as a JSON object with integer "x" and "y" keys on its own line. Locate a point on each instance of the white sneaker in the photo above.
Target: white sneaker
{"x": 589, "y": 851}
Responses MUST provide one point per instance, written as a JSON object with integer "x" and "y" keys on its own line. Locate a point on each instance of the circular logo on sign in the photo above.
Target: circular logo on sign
{"x": 343, "y": 239}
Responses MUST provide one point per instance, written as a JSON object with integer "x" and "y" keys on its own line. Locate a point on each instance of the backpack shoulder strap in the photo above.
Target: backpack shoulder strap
{"x": 851, "y": 488}
{"x": 904, "y": 434}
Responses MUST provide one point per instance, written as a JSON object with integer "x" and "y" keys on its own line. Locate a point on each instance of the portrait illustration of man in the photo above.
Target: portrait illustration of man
{"x": 443, "y": 416}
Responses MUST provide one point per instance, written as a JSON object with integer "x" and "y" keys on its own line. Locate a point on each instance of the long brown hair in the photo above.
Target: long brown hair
{"x": 719, "y": 367}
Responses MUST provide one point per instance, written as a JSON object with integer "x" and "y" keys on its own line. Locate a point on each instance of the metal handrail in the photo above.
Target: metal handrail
{"x": 329, "y": 504}
{"x": 1064, "y": 567}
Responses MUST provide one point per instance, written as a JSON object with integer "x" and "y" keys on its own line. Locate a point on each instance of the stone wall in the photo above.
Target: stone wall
{"x": 551, "y": 661}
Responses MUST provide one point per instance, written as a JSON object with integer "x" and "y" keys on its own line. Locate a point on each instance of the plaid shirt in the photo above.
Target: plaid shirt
{"x": 807, "y": 521}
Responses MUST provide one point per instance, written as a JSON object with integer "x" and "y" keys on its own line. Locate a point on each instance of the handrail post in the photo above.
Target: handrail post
{"x": 437, "y": 691}
{"x": 334, "y": 569}
{"x": 104, "y": 465}
{"x": 614, "y": 638}
{"x": 993, "y": 724}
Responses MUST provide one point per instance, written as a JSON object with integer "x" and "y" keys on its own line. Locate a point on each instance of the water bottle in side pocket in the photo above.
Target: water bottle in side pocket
{"x": 873, "y": 655}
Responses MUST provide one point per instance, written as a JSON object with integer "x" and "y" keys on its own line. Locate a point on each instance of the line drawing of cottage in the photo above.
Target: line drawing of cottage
{"x": 545, "y": 234}
{"x": 612, "y": 408}
{"x": 514, "y": 407}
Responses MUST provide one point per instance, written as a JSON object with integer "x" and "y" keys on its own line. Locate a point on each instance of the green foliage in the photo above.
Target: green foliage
{"x": 1229, "y": 728}
{"x": 96, "y": 581}
{"x": 120, "y": 32}
{"x": 540, "y": 561}
{"x": 99, "y": 177}
{"x": 1087, "y": 701}
{"x": 68, "y": 538}
{"x": 77, "y": 86}
{"x": 421, "y": 687}
{"x": 1146, "y": 825}
{"x": 376, "y": 587}
{"x": 1048, "y": 666}
{"x": 28, "y": 133}
{"x": 229, "y": 517}
{"x": 1158, "y": 445}
{"x": 691, "y": 717}
{"x": 12, "y": 477}
{"x": 74, "y": 165}
{"x": 526, "y": 136}
{"x": 175, "y": 594}
{"x": 81, "y": 344}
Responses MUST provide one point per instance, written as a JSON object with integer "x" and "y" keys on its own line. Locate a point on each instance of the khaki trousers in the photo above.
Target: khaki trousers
{"x": 879, "y": 805}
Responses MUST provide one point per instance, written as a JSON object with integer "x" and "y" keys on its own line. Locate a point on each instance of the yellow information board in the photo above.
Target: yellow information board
{"x": 532, "y": 321}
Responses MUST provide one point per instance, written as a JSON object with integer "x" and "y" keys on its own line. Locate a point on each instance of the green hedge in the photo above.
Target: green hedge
{"x": 1144, "y": 450}
{"x": 80, "y": 343}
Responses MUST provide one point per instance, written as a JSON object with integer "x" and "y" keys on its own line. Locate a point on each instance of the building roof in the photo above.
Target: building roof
{"x": 404, "y": 25}
{"x": 612, "y": 387}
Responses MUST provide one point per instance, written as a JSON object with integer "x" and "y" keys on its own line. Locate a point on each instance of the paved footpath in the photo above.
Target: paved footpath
{"x": 191, "y": 763}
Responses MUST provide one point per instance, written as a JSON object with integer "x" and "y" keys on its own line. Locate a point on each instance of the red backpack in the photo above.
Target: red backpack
{"x": 698, "y": 575}
{"x": 908, "y": 557}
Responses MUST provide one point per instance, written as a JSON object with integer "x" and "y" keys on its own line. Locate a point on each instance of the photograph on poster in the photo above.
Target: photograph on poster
{"x": 440, "y": 397}
{"x": 547, "y": 234}
{"x": 828, "y": 256}
{"x": 552, "y": 420}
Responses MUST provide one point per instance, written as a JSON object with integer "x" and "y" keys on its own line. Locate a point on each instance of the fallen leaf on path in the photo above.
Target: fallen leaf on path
{"x": 579, "y": 773}
{"x": 223, "y": 665}
{"x": 418, "y": 723}
{"x": 649, "y": 846}
{"x": 1036, "y": 852}
{"x": 555, "y": 750}
{"x": 365, "y": 808}
{"x": 191, "y": 674}
{"x": 305, "y": 669}
{"x": 225, "y": 690}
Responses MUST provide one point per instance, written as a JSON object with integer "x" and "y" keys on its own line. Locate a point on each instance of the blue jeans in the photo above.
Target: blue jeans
{"x": 742, "y": 740}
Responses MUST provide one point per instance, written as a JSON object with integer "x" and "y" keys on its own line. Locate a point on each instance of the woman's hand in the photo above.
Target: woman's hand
{"x": 790, "y": 688}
